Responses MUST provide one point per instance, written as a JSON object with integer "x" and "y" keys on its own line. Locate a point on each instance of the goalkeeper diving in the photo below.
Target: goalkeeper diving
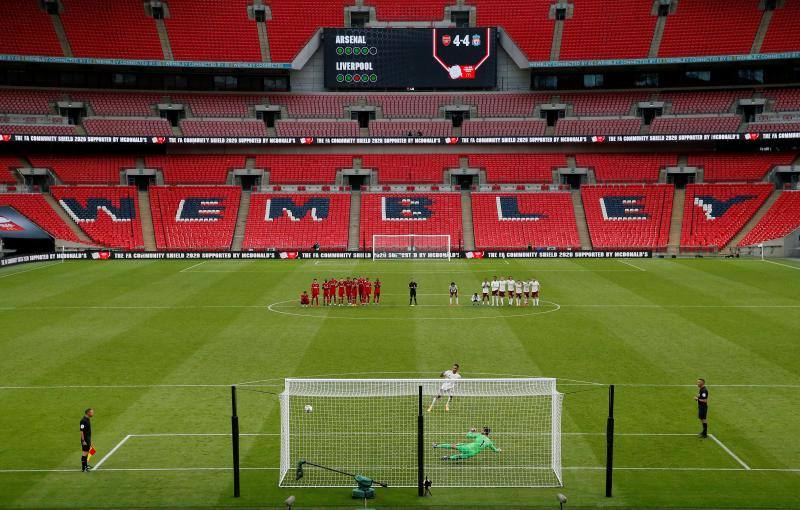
{"x": 480, "y": 442}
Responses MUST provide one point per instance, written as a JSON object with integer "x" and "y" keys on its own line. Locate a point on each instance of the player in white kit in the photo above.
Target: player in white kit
{"x": 526, "y": 291}
{"x": 511, "y": 283}
{"x": 518, "y": 292}
{"x": 495, "y": 291}
{"x": 452, "y": 376}
{"x": 453, "y": 292}
{"x": 535, "y": 291}
{"x": 501, "y": 295}
{"x": 485, "y": 287}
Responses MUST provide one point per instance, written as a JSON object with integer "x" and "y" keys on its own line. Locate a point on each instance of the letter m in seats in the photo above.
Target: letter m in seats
{"x": 126, "y": 211}
{"x": 278, "y": 207}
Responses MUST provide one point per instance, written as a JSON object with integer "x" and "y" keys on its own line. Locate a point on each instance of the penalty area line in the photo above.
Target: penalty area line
{"x": 109, "y": 454}
{"x": 29, "y": 270}
{"x": 631, "y": 265}
{"x": 729, "y": 452}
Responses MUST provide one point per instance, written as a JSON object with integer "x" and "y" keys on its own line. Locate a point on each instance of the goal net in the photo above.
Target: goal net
{"x": 410, "y": 246}
{"x": 369, "y": 426}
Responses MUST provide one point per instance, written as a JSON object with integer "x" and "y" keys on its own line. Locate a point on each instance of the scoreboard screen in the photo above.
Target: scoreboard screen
{"x": 390, "y": 58}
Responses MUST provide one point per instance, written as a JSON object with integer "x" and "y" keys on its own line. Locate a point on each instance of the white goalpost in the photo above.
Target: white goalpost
{"x": 411, "y": 246}
{"x": 371, "y": 427}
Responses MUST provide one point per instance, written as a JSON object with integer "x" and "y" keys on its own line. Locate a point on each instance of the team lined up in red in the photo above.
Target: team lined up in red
{"x": 346, "y": 292}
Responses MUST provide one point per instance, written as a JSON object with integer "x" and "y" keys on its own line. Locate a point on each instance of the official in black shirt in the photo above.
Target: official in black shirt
{"x": 412, "y": 292}
{"x": 86, "y": 438}
{"x": 702, "y": 406}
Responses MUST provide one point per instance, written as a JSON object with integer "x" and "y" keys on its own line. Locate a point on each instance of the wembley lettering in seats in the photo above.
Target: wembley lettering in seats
{"x": 279, "y": 207}
{"x": 406, "y": 208}
{"x": 629, "y": 207}
{"x": 200, "y": 209}
{"x": 508, "y": 210}
{"x": 715, "y": 208}
{"x": 125, "y": 211}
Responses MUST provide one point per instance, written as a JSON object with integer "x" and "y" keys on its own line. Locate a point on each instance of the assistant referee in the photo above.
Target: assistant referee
{"x": 86, "y": 438}
{"x": 412, "y": 292}
{"x": 702, "y": 406}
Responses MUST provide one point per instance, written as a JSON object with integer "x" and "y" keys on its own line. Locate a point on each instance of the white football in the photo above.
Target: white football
{"x": 309, "y": 409}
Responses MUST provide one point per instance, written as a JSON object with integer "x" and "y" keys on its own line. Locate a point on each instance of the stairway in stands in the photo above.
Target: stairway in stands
{"x": 466, "y": 221}
{"x": 355, "y": 221}
{"x": 67, "y": 218}
{"x": 241, "y": 221}
{"x": 145, "y": 214}
{"x": 753, "y": 222}
{"x": 676, "y": 223}
{"x": 580, "y": 220}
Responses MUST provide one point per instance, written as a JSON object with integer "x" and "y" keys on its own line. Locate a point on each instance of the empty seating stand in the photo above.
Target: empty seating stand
{"x": 782, "y": 34}
{"x": 194, "y": 217}
{"x": 7, "y": 166}
{"x": 196, "y": 168}
{"x": 108, "y": 215}
{"x": 505, "y": 104}
{"x": 303, "y": 128}
{"x": 738, "y": 167}
{"x": 710, "y": 27}
{"x": 411, "y": 213}
{"x": 28, "y": 101}
{"x": 26, "y": 29}
{"x": 98, "y": 29}
{"x": 127, "y": 127}
{"x": 222, "y": 128}
{"x": 611, "y": 168}
{"x": 695, "y": 124}
{"x": 527, "y": 23}
{"x": 766, "y": 127}
{"x": 594, "y": 104}
{"x": 703, "y": 102}
{"x": 316, "y": 106}
{"x": 36, "y": 209}
{"x": 394, "y": 128}
{"x": 514, "y": 221}
{"x": 410, "y": 168}
{"x": 235, "y": 36}
{"x": 589, "y": 126}
{"x": 781, "y": 219}
{"x": 628, "y": 216}
{"x": 74, "y": 169}
{"x": 114, "y": 104}
{"x": 293, "y": 221}
{"x": 714, "y": 213}
{"x": 37, "y": 129}
{"x": 608, "y": 30}
{"x": 518, "y": 168}
{"x": 503, "y": 128}
{"x": 303, "y": 168}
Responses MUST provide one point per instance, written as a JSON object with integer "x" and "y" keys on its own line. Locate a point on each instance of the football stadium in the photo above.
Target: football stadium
{"x": 399, "y": 254}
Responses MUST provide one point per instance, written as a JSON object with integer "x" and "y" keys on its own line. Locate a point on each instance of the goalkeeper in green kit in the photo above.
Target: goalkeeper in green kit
{"x": 480, "y": 442}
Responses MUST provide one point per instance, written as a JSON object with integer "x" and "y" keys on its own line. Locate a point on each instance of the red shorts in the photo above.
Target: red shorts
{"x": 341, "y": 292}
{"x": 494, "y": 293}
{"x": 535, "y": 294}
{"x": 502, "y": 293}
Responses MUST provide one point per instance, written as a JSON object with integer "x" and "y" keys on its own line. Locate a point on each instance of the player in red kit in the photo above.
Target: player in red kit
{"x": 340, "y": 285}
{"x": 304, "y": 299}
{"x": 325, "y": 293}
{"x": 367, "y": 290}
{"x": 315, "y": 292}
{"x": 377, "y": 296}
{"x": 360, "y": 283}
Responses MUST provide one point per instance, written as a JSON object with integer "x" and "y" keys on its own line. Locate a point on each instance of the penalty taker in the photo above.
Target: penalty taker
{"x": 480, "y": 442}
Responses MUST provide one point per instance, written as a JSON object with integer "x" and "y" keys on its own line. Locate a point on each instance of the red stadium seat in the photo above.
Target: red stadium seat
{"x": 36, "y": 209}
{"x": 37, "y": 129}
{"x": 710, "y": 27}
{"x": 589, "y": 126}
{"x": 194, "y": 217}
{"x": 76, "y": 169}
{"x": 518, "y": 168}
{"x": 505, "y": 104}
{"x": 513, "y": 221}
{"x": 767, "y": 127}
{"x": 196, "y": 168}
{"x": 609, "y": 168}
{"x": 695, "y": 125}
{"x": 127, "y": 127}
{"x": 528, "y": 23}
{"x": 503, "y": 128}
{"x": 24, "y": 101}
{"x": 604, "y": 103}
{"x": 392, "y": 128}
{"x": 781, "y": 219}
{"x": 7, "y": 164}
{"x": 302, "y": 128}
{"x": 410, "y": 168}
{"x": 134, "y": 104}
{"x": 303, "y": 168}
{"x": 714, "y": 213}
{"x": 718, "y": 101}
{"x": 222, "y": 128}
{"x": 411, "y": 213}
{"x": 113, "y": 221}
{"x": 296, "y": 221}
{"x": 782, "y": 34}
{"x": 608, "y": 30}
{"x": 738, "y": 167}
{"x": 633, "y": 216}
{"x": 26, "y": 29}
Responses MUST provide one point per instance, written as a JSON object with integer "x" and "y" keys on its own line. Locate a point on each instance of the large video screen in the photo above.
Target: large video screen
{"x": 398, "y": 58}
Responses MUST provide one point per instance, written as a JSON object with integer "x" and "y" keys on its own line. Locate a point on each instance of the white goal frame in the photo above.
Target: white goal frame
{"x": 407, "y": 247}
{"x": 530, "y": 438}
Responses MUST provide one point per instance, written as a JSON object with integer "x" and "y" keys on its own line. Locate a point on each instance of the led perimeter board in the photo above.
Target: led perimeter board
{"x": 389, "y": 58}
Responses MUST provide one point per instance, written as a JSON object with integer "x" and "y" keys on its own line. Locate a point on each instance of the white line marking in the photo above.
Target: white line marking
{"x": 779, "y": 264}
{"x": 194, "y": 434}
{"x": 629, "y": 264}
{"x": 29, "y": 270}
{"x": 735, "y": 457}
{"x": 190, "y": 267}
{"x": 109, "y": 454}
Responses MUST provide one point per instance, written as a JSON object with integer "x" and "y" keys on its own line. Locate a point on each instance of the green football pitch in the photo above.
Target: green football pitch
{"x": 153, "y": 347}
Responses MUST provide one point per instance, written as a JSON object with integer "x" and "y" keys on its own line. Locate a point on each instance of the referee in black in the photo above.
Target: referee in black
{"x": 702, "y": 406}
{"x": 86, "y": 438}
{"x": 412, "y": 292}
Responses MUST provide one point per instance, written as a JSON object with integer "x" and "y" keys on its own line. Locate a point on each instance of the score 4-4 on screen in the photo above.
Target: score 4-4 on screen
{"x": 400, "y": 58}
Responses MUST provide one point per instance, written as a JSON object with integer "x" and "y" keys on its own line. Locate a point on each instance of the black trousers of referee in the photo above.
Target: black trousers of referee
{"x": 412, "y": 296}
